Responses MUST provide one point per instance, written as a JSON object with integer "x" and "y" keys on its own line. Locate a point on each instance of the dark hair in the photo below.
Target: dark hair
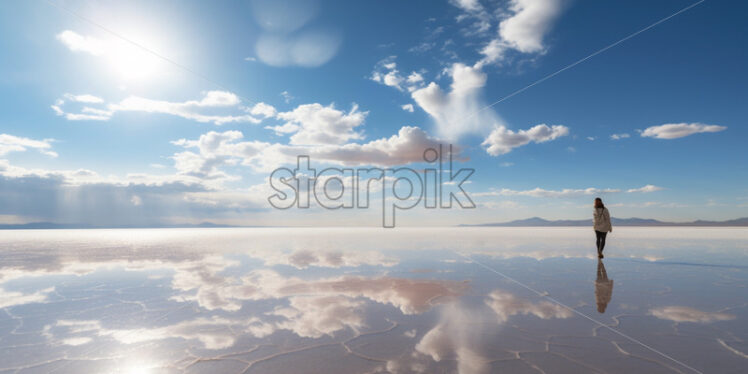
{"x": 599, "y": 203}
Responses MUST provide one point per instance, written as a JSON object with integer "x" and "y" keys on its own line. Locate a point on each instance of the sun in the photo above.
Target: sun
{"x": 138, "y": 370}
{"x": 129, "y": 62}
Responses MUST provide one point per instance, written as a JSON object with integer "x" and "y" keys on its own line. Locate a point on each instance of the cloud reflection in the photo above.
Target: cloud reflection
{"x": 227, "y": 291}
{"x": 505, "y": 305}
{"x": 315, "y": 316}
{"x": 212, "y": 333}
{"x": 688, "y": 314}
{"x": 305, "y": 258}
{"x": 464, "y": 333}
{"x": 13, "y": 298}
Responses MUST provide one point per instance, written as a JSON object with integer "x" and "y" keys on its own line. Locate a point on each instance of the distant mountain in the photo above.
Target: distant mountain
{"x": 537, "y": 221}
{"x": 732, "y": 222}
{"x": 51, "y": 225}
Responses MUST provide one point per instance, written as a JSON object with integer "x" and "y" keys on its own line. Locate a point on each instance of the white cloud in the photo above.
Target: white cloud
{"x": 502, "y": 140}
{"x": 456, "y": 112}
{"x": 566, "y": 192}
{"x": 459, "y": 111}
{"x": 679, "y": 130}
{"x": 422, "y": 47}
{"x": 392, "y": 79}
{"x": 405, "y": 147}
{"x": 11, "y": 143}
{"x": 317, "y": 124}
{"x": 645, "y": 189}
{"x": 286, "y": 128}
{"x": 688, "y": 314}
{"x": 215, "y": 150}
{"x": 85, "y": 98}
{"x": 474, "y": 12}
{"x": 620, "y": 136}
{"x": 468, "y": 5}
{"x": 136, "y": 200}
{"x": 649, "y": 204}
{"x": 540, "y": 192}
{"x": 525, "y": 29}
{"x": 79, "y": 43}
{"x": 407, "y": 107}
{"x": 414, "y": 78}
{"x": 188, "y": 109}
{"x": 287, "y": 97}
{"x": 386, "y": 73}
{"x": 493, "y": 52}
{"x": 191, "y": 109}
{"x": 193, "y": 164}
{"x": 264, "y": 110}
{"x": 522, "y": 28}
{"x": 197, "y": 189}
{"x": 86, "y": 113}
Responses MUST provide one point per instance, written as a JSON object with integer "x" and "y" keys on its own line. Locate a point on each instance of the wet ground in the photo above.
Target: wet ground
{"x": 441, "y": 300}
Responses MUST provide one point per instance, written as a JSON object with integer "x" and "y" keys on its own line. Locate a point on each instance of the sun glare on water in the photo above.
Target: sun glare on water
{"x": 138, "y": 370}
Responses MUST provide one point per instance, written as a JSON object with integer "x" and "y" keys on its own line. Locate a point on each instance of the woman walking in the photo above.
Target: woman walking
{"x": 601, "y": 224}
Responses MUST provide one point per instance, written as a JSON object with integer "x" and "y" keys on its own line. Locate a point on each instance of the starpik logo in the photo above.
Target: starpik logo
{"x": 400, "y": 188}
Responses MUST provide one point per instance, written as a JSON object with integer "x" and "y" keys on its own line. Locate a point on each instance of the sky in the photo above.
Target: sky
{"x": 152, "y": 113}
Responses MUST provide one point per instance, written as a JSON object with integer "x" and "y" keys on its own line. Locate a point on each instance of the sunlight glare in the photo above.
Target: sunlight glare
{"x": 138, "y": 370}
{"x": 131, "y": 63}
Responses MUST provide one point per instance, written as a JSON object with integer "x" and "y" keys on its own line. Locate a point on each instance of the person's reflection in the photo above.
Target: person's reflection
{"x": 603, "y": 287}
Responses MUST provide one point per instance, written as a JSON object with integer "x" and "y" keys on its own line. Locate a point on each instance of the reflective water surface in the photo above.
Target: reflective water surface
{"x": 442, "y": 300}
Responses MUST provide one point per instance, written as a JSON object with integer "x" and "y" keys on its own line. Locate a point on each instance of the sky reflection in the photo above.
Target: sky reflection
{"x": 235, "y": 301}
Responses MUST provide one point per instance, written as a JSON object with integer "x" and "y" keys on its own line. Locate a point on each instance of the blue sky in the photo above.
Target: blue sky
{"x": 98, "y": 130}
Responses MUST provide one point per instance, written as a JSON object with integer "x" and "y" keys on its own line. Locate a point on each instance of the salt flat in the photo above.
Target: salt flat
{"x": 349, "y": 300}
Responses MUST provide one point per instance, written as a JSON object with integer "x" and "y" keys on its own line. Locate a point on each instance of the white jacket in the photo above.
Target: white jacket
{"x": 601, "y": 220}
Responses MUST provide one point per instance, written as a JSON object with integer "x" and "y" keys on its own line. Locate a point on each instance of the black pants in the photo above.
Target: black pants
{"x": 600, "y": 240}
